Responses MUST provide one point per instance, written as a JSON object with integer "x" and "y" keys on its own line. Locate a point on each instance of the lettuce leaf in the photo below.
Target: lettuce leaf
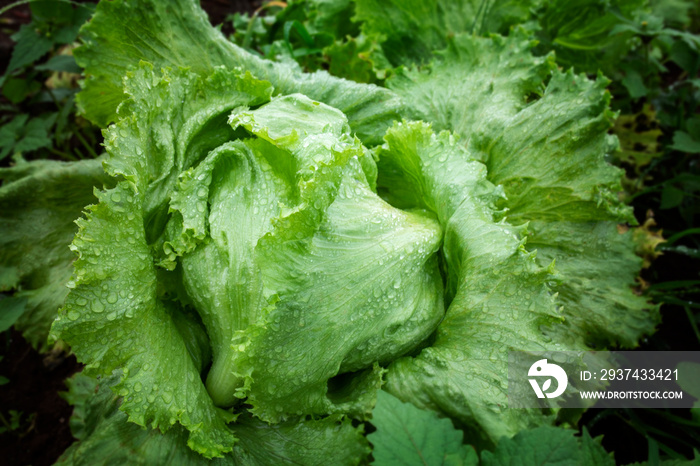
{"x": 561, "y": 184}
{"x": 39, "y": 202}
{"x": 114, "y": 320}
{"x": 499, "y": 296}
{"x": 473, "y": 83}
{"x": 412, "y": 30}
{"x": 549, "y": 155}
{"x": 178, "y": 34}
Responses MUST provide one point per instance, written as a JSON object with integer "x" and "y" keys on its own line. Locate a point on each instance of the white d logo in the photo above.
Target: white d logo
{"x": 542, "y": 369}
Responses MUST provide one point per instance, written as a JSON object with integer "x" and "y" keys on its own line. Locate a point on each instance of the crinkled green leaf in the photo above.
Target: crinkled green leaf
{"x": 410, "y": 436}
{"x": 413, "y": 29}
{"x": 106, "y": 437}
{"x": 549, "y": 157}
{"x": 499, "y": 297}
{"x": 170, "y": 123}
{"x": 39, "y": 202}
{"x": 473, "y": 83}
{"x": 365, "y": 287}
{"x": 233, "y": 196}
{"x": 550, "y": 160}
{"x": 596, "y": 268}
{"x": 114, "y": 320}
{"x": 547, "y": 446}
{"x": 178, "y": 34}
{"x": 304, "y": 215}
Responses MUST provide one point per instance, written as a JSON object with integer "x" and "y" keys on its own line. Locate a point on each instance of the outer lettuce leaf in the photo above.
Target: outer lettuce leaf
{"x": 501, "y": 301}
{"x": 114, "y": 320}
{"x": 106, "y": 437}
{"x": 168, "y": 124}
{"x": 178, "y": 34}
{"x": 550, "y": 159}
{"x": 473, "y": 83}
{"x": 550, "y": 156}
{"x": 413, "y": 29}
{"x": 39, "y": 202}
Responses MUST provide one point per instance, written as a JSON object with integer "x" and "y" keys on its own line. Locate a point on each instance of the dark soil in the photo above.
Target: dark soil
{"x": 35, "y": 382}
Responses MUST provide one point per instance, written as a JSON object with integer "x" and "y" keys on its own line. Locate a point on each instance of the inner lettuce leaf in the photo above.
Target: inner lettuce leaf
{"x": 39, "y": 202}
{"x": 299, "y": 272}
{"x": 176, "y": 34}
{"x": 310, "y": 224}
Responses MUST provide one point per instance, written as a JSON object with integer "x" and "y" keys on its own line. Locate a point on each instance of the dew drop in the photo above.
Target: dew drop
{"x": 97, "y": 306}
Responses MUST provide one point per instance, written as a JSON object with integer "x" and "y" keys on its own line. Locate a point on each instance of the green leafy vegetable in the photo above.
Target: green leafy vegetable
{"x": 276, "y": 257}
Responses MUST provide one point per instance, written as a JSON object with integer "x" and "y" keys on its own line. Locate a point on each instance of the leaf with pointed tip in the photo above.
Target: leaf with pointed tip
{"x": 411, "y": 436}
